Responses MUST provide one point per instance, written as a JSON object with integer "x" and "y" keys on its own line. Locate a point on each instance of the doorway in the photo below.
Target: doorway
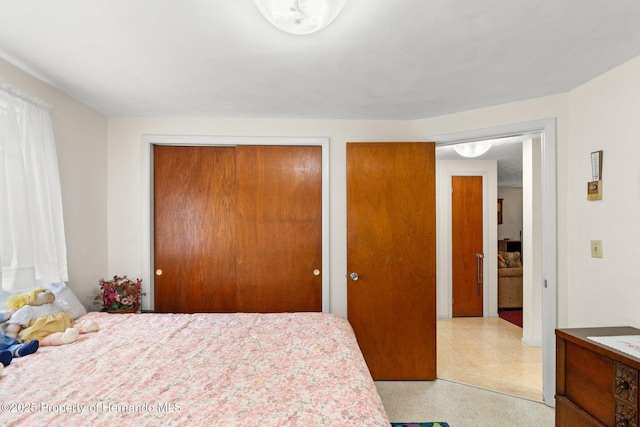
{"x": 548, "y": 274}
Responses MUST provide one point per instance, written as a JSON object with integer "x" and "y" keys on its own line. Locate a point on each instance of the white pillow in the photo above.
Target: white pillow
{"x": 3, "y": 297}
{"x": 62, "y": 293}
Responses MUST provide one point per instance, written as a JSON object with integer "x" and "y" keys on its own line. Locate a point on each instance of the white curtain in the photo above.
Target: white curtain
{"x": 32, "y": 243}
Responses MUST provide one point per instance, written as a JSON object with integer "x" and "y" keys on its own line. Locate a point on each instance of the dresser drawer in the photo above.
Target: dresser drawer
{"x": 626, "y": 396}
{"x": 589, "y": 382}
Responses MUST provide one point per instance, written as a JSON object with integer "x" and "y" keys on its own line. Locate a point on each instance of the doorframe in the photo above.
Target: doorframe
{"x": 546, "y": 128}
{"x": 148, "y": 141}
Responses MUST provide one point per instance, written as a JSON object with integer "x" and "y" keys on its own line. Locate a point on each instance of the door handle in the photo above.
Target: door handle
{"x": 480, "y": 259}
{"x": 354, "y": 276}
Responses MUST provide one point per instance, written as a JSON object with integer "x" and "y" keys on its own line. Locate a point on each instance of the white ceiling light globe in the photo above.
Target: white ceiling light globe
{"x": 473, "y": 149}
{"x": 300, "y": 16}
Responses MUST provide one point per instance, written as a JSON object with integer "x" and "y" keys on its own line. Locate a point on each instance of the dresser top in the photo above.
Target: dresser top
{"x": 580, "y": 336}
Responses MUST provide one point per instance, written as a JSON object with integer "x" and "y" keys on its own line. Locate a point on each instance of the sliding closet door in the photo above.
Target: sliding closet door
{"x": 238, "y": 228}
{"x": 194, "y": 229}
{"x": 279, "y": 226}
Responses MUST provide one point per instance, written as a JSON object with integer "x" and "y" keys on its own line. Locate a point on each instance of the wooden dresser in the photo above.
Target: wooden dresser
{"x": 596, "y": 385}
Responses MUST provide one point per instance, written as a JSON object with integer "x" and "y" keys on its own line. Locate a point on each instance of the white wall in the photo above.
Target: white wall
{"x": 532, "y": 278}
{"x": 124, "y": 158}
{"x": 445, "y": 169}
{"x": 81, "y": 136}
{"x": 511, "y": 226}
{"x": 605, "y": 115}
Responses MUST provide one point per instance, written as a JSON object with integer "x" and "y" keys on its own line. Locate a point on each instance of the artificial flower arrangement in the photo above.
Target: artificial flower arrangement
{"x": 119, "y": 294}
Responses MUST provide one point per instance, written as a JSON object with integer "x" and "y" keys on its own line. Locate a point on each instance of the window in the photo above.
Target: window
{"x": 32, "y": 243}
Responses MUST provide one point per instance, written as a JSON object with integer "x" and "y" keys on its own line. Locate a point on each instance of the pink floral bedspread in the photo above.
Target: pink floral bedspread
{"x": 236, "y": 369}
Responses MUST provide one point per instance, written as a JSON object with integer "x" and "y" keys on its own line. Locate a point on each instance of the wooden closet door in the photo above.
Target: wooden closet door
{"x": 238, "y": 228}
{"x": 279, "y": 228}
{"x": 194, "y": 229}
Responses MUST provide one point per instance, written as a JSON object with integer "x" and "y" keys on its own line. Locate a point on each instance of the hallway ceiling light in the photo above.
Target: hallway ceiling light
{"x": 300, "y": 16}
{"x": 473, "y": 149}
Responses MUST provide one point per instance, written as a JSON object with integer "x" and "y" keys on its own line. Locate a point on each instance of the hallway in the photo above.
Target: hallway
{"x": 489, "y": 353}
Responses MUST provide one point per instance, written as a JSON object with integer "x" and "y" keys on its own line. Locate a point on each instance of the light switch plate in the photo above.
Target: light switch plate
{"x": 596, "y": 249}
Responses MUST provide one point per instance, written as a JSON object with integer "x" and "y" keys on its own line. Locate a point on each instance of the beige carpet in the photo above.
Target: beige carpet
{"x": 460, "y": 405}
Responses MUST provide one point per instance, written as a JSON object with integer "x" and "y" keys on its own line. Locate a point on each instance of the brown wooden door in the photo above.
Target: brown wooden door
{"x": 194, "y": 229}
{"x": 237, "y": 229}
{"x": 391, "y": 233}
{"x": 279, "y": 229}
{"x": 467, "y": 243}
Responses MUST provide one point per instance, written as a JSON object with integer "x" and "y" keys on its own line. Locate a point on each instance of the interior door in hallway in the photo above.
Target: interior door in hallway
{"x": 391, "y": 258}
{"x": 467, "y": 246}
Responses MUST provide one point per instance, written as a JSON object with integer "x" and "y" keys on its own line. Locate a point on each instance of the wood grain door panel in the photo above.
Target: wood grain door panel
{"x": 391, "y": 246}
{"x": 467, "y": 241}
{"x": 238, "y": 228}
{"x": 194, "y": 229}
{"x": 279, "y": 228}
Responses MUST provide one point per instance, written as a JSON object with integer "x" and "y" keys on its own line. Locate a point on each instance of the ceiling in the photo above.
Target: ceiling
{"x": 506, "y": 151}
{"x": 380, "y": 59}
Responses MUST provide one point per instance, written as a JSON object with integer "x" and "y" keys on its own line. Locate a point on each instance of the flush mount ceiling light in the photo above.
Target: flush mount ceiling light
{"x": 300, "y": 16}
{"x": 473, "y": 149}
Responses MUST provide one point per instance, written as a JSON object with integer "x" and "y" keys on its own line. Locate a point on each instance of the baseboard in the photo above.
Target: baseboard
{"x": 531, "y": 343}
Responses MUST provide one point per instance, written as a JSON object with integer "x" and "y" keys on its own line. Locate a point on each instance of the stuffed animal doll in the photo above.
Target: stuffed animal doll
{"x": 39, "y": 316}
{"x": 10, "y": 347}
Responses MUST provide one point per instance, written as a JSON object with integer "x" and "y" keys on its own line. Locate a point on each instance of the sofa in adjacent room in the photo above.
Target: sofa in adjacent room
{"x": 509, "y": 280}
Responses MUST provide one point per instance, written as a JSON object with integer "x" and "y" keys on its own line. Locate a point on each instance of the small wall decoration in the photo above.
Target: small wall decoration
{"x": 500, "y": 211}
{"x": 594, "y": 188}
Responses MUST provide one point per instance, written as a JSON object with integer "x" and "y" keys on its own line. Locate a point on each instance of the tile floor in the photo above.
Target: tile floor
{"x": 489, "y": 353}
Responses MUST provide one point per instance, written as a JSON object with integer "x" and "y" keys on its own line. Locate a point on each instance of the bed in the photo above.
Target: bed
{"x": 235, "y": 369}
